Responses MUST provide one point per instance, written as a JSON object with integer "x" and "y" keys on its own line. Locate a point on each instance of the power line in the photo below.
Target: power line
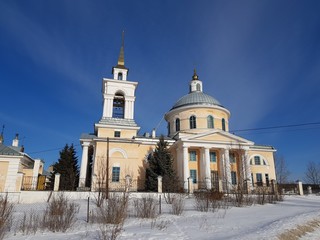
{"x": 233, "y": 131}
{"x": 277, "y": 127}
{"x": 53, "y": 149}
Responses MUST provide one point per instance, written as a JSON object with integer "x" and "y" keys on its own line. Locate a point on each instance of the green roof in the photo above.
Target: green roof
{"x": 196, "y": 98}
{"x": 12, "y": 151}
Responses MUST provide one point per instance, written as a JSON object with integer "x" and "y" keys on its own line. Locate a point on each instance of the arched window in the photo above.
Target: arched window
{"x": 177, "y": 124}
{"x": 193, "y": 123}
{"x": 118, "y": 106}
{"x": 223, "y": 124}
{"x": 120, "y": 76}
{"x": 198, "y": 87}
{"x": 257, "y": 160}
{"x": 210, "y": 122}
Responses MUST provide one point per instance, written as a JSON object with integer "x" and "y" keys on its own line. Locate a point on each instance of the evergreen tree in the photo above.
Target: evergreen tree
{"x": 67, "y": 167}
{"x": 161, "y": 164}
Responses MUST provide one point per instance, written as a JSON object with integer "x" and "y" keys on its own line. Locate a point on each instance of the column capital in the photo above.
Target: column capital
{"x": 85, "y": 144}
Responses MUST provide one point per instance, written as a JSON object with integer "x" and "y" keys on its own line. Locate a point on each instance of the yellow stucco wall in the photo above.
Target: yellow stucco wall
{"x": 108, "y": 132}
{"x": 269, "y": 168}
{"x": 201, "y": 119}
{"x": 130, "y": 157}
{"x": 3, "y": 174}
{"x": 27, "y": 172}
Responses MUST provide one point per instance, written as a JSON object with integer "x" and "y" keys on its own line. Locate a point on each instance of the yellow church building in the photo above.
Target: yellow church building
{"x": 198, "y": 136}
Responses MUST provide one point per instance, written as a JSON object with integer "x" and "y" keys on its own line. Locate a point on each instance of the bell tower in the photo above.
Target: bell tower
{"x": 118, "y": 101}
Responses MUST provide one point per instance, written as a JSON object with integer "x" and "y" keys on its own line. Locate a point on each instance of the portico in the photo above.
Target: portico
{"x": 209, "y": 162}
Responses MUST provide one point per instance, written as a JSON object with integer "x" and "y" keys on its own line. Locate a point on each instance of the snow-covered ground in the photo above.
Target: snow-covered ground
{"x": 253, "y": 222}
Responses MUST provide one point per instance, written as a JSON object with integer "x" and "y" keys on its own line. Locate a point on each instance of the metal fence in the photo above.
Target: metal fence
{"x": 34, "y": 183}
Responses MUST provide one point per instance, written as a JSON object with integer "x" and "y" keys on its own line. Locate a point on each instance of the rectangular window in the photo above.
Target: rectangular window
{"x": 257, "y": 160}
{"x": 233, "y": 178}
{"x": 259, "y": 179}
{"x": 193, "y": 175}
{"x": 232, "y": 158}
{"x": 267, "y": 179}
{"x": 117, "y": 134}
{"x": 115, "y": 174}
{"x": 193, "y": 156}
{"x": 213, "y": 157}
{"x": 214, "y": 176}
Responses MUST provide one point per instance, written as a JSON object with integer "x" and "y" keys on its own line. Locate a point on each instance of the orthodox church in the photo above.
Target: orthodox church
{"x": 198, "y": 135}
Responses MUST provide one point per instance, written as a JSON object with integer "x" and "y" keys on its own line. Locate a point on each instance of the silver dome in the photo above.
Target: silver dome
{"x": 196, "y": 98}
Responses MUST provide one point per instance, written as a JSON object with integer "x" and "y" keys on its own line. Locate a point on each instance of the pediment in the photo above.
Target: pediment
{"x": 216, "y": 136}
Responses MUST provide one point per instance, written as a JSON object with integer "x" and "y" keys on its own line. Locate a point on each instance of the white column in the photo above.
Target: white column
{"x": 132, "y": 108}
{"x": 248, "y": 169}
{"x": 129, "y": 107}
{"x": 110, "y": 107}
{"x": 104, "y": 111}
{"x": 186, "y": 172}
{"x": 180, "y": 163}
{"x": 207, "y": 169}
{"x": 227, "y": 169}
{"x": 84, "y": 164}
{"x": 203, "y": 165}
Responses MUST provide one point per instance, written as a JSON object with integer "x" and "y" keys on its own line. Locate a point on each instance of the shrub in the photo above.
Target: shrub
{"x": 178, "y": 204}
{"x": 30, "y": 223}
{"x": 110, "y": 232}
{"x": 113, "y": 210}
{"x": 145, "y": 207}
{"x": 6, "y": 210}
{"x": 208, "y": 200}
{"x": 60, "y": 214}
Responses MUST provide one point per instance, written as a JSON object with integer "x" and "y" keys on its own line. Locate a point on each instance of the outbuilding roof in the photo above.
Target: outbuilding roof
{"x": 9, "y": 150}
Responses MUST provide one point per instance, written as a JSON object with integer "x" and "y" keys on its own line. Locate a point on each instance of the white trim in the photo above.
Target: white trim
{"x": 251, "y": 157}
{"x": 181, "y": 109}
{"x": 120, "y": 150}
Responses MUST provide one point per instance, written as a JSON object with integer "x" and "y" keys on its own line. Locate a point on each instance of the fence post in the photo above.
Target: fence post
{"x": 56, "y": 182}
{"x": 88, "y": 209}
{"x": 300, "y": 188}
{"x": 274, "y": 187}
{"x": 159, "y": 184}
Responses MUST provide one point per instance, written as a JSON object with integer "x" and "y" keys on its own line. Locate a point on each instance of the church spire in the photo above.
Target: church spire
{"x": 195, "y": 76}
{"x": 120, "y": 72}
{"x": 121, "y": 55}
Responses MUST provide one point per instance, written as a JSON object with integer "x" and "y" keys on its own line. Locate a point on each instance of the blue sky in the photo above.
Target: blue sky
{"x": 260, "y": 59}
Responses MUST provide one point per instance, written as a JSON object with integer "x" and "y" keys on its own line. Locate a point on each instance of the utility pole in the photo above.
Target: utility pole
{"x": 107, "y": 180}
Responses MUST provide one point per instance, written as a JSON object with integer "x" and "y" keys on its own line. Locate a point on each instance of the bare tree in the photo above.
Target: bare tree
{"x": 100, "y": 181}
{"x": 312, "y": 174}
{"x": 282, "y": 171}
{"x": 241, "y": 188}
